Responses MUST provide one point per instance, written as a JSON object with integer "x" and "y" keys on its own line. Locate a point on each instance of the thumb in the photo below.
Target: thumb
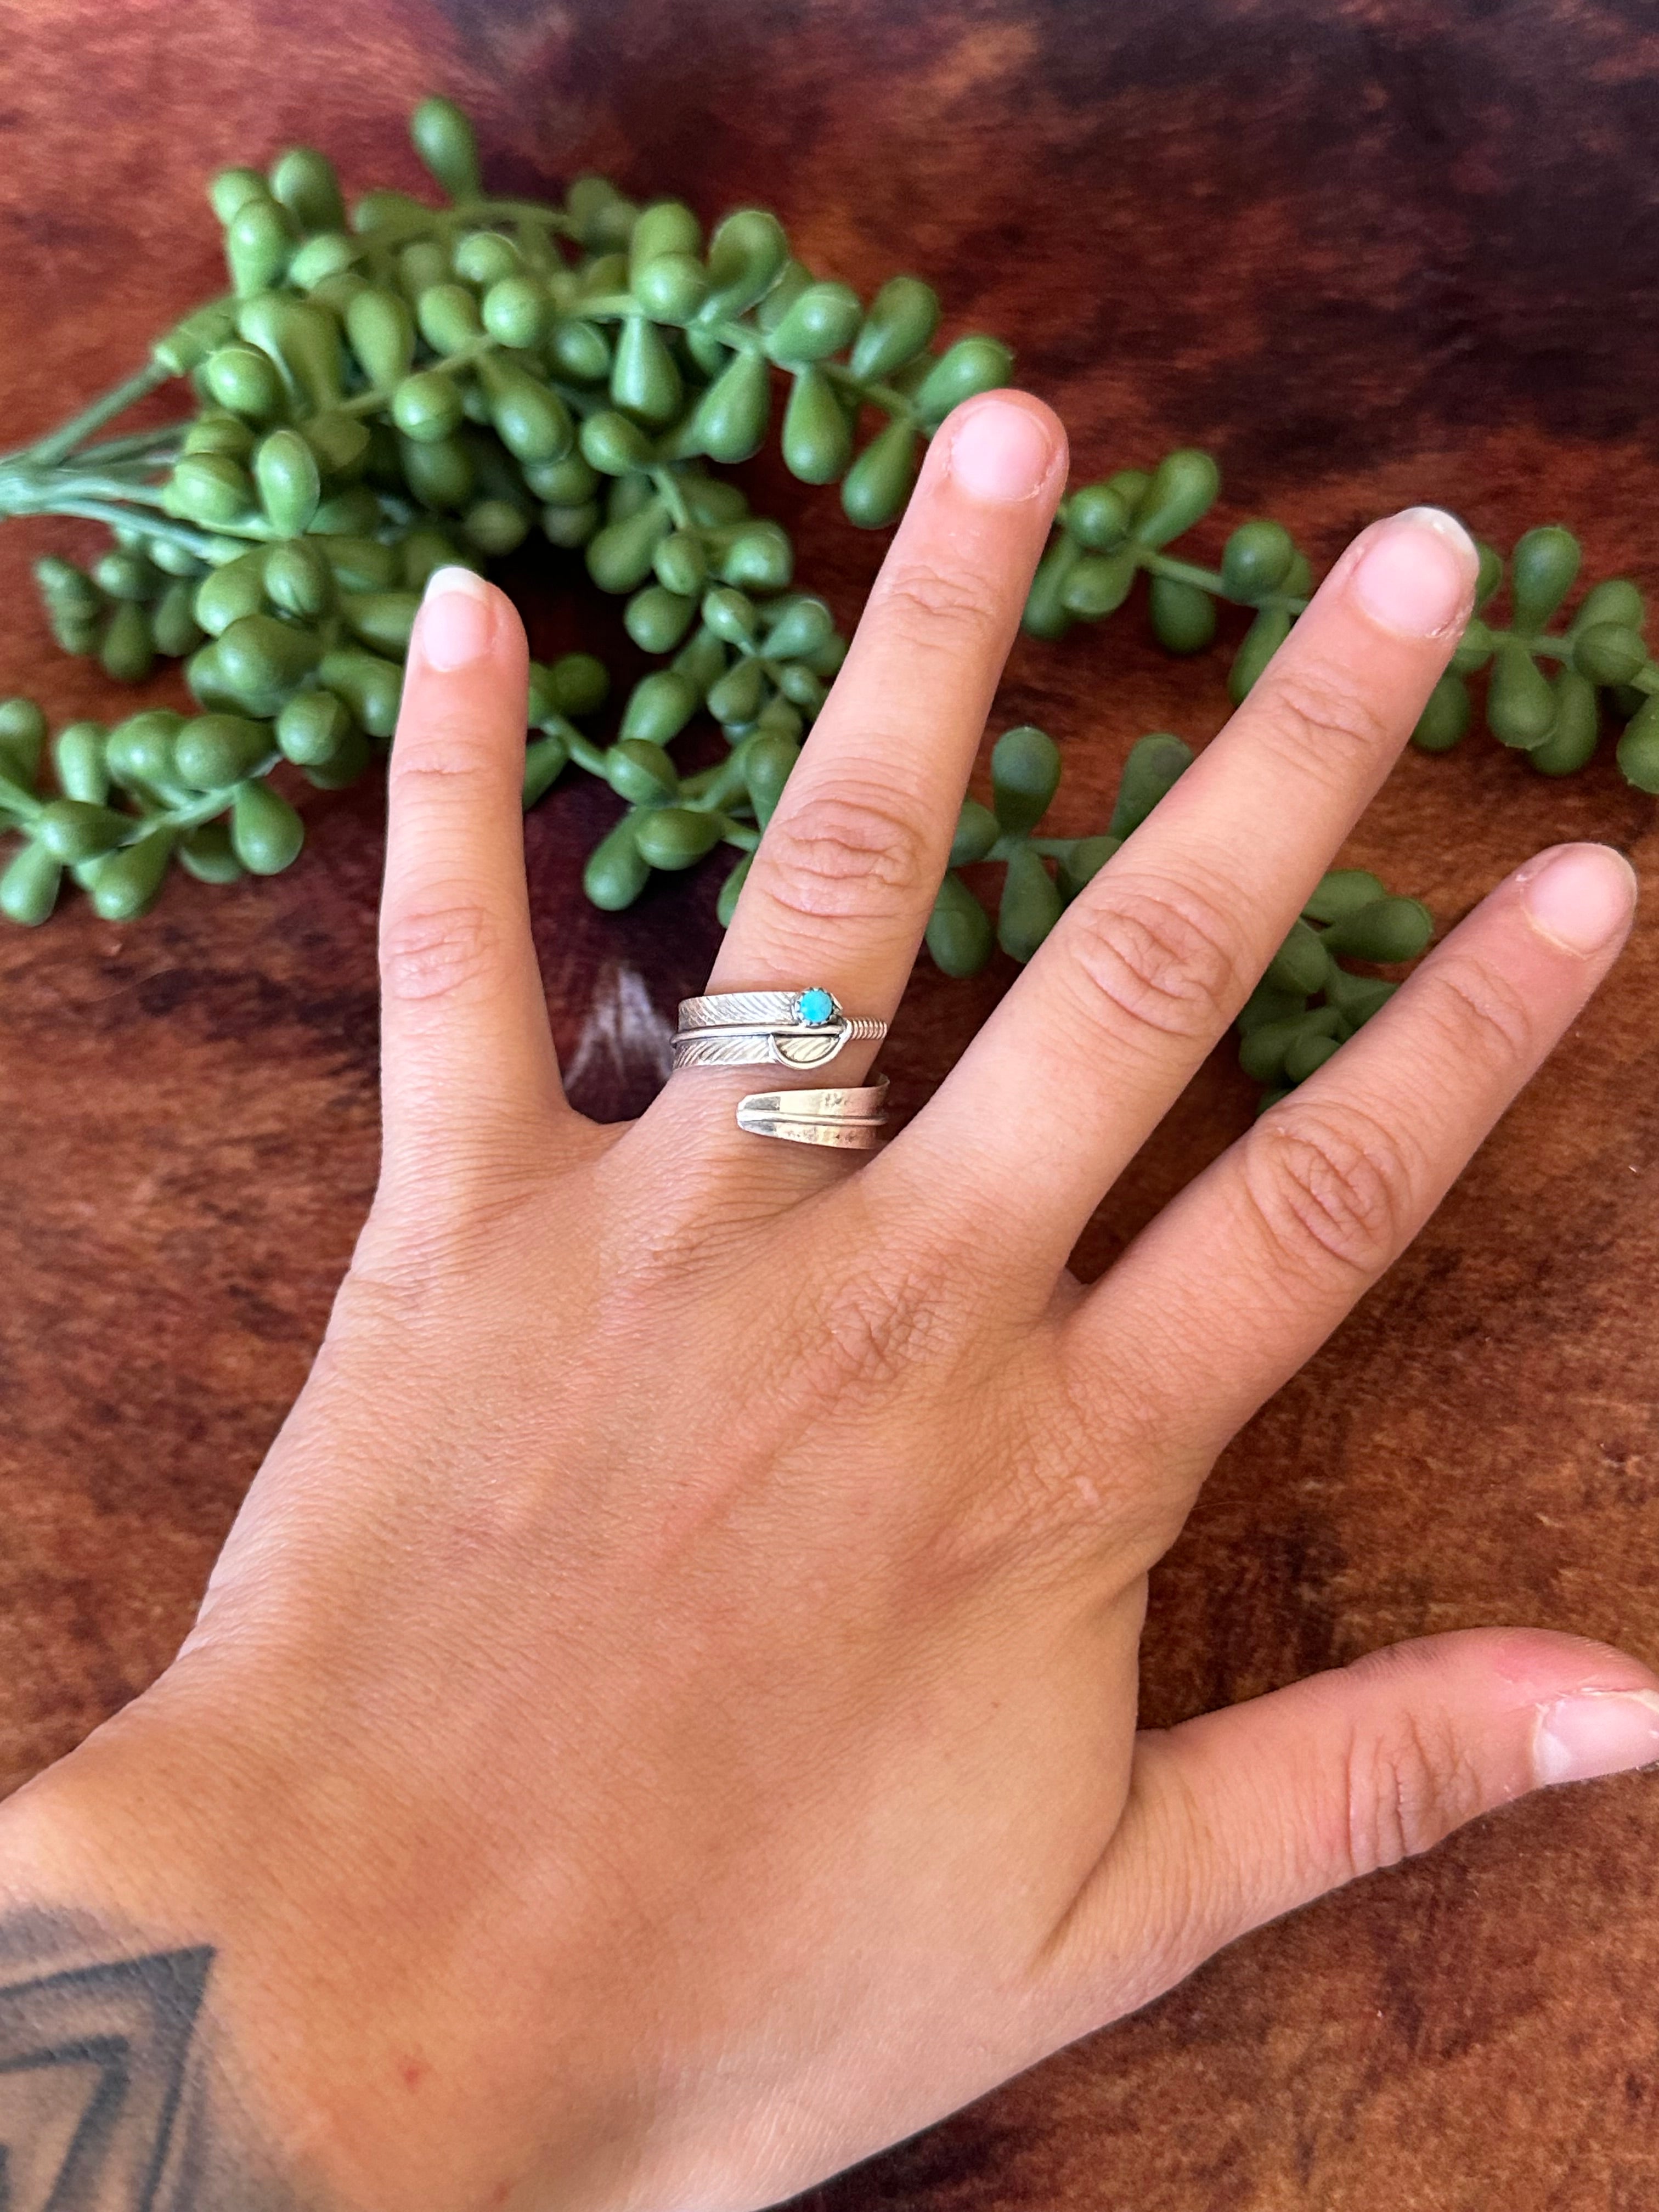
{"x": 1238, "y": 1816}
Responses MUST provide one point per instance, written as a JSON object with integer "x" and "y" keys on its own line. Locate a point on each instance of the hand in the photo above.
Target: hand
{"x": 663, "y": 1724}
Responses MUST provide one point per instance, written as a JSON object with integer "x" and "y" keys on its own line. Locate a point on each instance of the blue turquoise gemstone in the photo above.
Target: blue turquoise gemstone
{"x": 815, "y": 1008}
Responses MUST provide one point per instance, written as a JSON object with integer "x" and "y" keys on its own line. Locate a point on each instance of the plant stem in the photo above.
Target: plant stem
{"x": 136, "y": 445}
{"x": 521, "y": 211}
{"x": 190, "y": 541}
{"x": 741, "y": 338}
{"x": 47, "y": 451}
{"x": 70, "y": 483}
{"x": 1184, "y": 572}
{"x": 878, "y": 395}
{"x": 587, "y": 754}
{"x": 716, "y": 790}
{"x": 1210, "y": 581}
{"x": 190, "y": 814}
{"x": 669, "y": 492}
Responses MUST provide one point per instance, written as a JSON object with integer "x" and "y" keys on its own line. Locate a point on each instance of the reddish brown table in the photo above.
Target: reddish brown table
{"x": 1368, "y": 254}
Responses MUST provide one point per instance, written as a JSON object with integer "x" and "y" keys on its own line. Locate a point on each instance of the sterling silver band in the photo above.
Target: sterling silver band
{"x": 849, "y": 1119}
{"x": 759, "y": 1029}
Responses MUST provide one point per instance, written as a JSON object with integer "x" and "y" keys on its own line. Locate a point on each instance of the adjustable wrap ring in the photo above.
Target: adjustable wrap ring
{"x": 761, "y": 1029}
{"x": 851, "y": 1120}
{"x": 786, "y": 1029}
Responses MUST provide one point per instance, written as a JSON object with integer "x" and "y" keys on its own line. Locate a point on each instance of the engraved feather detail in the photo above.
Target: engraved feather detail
{"x": 748, "y": 1029}
{"x": 849, "y": 1120}
{"x": 728, "y": 1009}
{"x": 746, "y": 1048}
{"x": 812, "y": 1050}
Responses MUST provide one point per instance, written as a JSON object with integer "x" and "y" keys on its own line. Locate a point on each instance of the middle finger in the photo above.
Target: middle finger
{"x": 1153, "y": 960}
{"x": 846, "y": 874}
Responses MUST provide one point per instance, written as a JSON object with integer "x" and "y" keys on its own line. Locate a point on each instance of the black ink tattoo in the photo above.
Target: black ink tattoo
{"x": 104, "y": 2097}
{"x": 92, "y": 2071}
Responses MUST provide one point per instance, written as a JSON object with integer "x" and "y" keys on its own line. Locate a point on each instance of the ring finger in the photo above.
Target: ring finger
{"x": 845, "y": 876}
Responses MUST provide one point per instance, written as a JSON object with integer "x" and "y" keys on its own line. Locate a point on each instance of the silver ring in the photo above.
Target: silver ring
{"x": 849, "y": 1119}
{"x": 759, "y": 1029}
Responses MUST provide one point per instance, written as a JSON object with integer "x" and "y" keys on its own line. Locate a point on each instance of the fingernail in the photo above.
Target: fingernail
{"x": 1580, "y": 897}
{"x": 1416, "y": 573}
{"x": 458, "y": 619}
{"x": 1597, "y": 1732}
{"x": 1001, "y": 452}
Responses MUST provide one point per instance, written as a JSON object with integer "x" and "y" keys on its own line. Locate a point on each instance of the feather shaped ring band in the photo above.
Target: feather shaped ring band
{"x": 785, "y": 1029}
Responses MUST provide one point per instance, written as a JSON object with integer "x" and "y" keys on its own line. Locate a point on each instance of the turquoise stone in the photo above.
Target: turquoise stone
{"x": 815, "y": 1008}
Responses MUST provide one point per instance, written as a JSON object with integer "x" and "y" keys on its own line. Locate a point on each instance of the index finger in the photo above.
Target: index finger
{"x": 467, "y": 1067}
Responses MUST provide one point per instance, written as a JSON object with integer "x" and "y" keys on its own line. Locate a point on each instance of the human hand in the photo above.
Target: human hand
{"x": 663, "y": 1726}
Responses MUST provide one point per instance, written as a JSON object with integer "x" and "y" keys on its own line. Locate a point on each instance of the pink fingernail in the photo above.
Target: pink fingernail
{"x": 1580, "y": 897}
{"x": 457, "y": 620}
{"x": 1001, "y": 452}
{"x": 1597, "y": 1732}
{"x": 1416, "y": 573}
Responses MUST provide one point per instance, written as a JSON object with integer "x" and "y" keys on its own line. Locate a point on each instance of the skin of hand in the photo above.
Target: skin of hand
{"x": 663, "y": 1726}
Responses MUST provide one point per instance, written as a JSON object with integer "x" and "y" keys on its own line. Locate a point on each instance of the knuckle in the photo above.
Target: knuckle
{"x": 447, "y": 753}
{"x": 1062, "y": 1482}
{"x": 1480, "y": 1014}
{"x": 1187, "y": 1921}
{"x": 441, "y": 1232}
{"x": 1316, "y": 713}
{"x": 398, "y": 1286}
{"x": 841, "y": 855}
{"x": 881, "y": 1322}
{"x": 438, "y": 947}
{"x": 1410, "y": 1783}
{"x": 1158, "y": 960}
{"x": 1329, "y": 1188}
{"x": 925, "y": 605}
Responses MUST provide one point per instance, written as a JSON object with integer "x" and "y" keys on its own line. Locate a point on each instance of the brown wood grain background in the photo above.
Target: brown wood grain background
{"x": 1369, "y": 254}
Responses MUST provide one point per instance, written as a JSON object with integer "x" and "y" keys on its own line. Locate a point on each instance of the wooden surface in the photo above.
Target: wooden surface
{"x": 1368, "y": 254}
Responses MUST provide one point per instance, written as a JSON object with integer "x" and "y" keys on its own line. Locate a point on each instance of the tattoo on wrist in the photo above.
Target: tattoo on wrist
{"x": 106, "y": 2100}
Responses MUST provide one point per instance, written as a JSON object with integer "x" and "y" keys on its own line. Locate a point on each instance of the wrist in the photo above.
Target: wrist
{"x": 221, "y": 1909}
